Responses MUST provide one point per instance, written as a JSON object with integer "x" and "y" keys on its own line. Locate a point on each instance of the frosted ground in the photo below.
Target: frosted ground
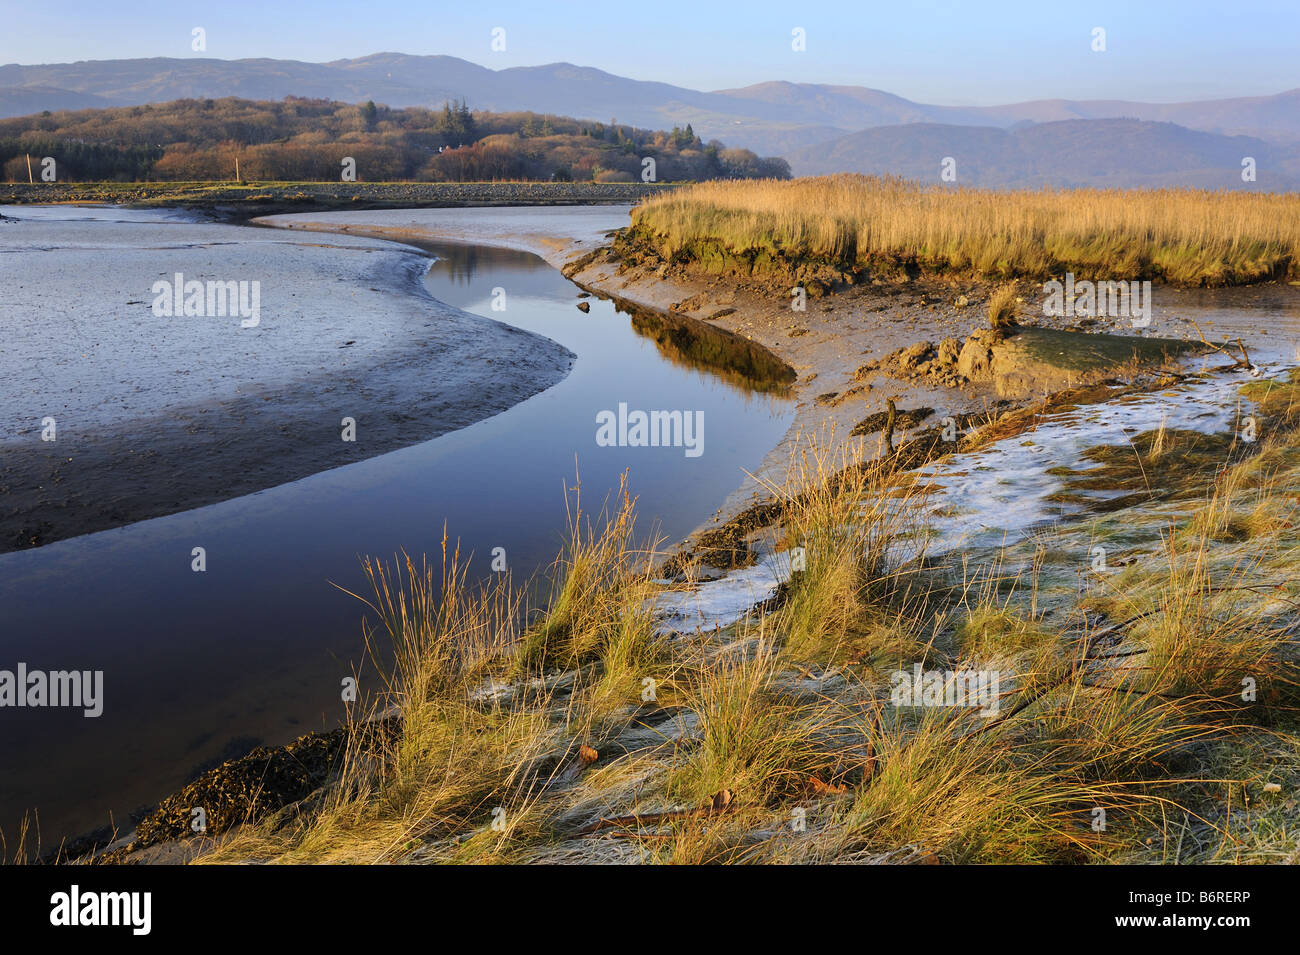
{"x": 987, "y": 499}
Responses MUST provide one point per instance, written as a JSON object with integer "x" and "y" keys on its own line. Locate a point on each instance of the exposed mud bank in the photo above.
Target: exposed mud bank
{"x": 157, "y": 415}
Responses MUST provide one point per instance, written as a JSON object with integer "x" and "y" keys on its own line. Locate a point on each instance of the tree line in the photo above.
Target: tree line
{"x": 299, "y": 139}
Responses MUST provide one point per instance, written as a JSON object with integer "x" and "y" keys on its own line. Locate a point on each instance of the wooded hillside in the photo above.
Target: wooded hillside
{"x": 309, "y": 139}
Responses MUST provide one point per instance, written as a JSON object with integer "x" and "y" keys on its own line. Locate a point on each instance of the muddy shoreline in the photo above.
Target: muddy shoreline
{"x": 834, "y": 343}
{"x": 203, "y": 454}
{"x": 173, "y": 452}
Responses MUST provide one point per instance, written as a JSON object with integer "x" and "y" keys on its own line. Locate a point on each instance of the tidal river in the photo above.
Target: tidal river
{"x": 426, "y": 348}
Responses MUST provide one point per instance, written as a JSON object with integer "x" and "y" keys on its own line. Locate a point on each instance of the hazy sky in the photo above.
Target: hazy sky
{"x": 950, "y": 53}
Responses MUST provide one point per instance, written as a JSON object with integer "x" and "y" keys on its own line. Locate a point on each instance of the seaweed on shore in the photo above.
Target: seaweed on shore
{"x": 907, "y": 420}
{"x": 248, "y": 789}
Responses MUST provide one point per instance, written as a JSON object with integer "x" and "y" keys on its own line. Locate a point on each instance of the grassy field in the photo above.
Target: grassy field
{"x": 857, "y": 222}
{"x": 1146, "y": 712}
{"x": 261, "y": 198}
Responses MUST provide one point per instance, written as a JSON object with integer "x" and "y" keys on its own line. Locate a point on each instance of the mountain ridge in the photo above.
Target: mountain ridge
{"x": 1096, "y": 153}
{"x": 772, "y": 116}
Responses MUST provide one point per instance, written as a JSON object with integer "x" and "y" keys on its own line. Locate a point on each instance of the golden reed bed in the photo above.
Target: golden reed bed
{"x": 1182, "y": 236}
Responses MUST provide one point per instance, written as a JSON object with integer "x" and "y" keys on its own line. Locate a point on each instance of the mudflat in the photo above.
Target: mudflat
{"x": 119, "y": 414}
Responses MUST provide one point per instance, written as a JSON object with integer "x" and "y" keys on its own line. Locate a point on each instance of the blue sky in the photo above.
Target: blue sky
{"x": 950, "y": 53}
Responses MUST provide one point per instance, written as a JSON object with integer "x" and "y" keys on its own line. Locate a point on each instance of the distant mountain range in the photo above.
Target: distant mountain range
{"x": 819, "y": 128}
{"x": 1121, "y": 153}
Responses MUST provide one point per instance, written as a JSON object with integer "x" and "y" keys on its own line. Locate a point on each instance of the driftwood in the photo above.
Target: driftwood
{"x": 721, "y": 803}
{"x": 1242, "y": 362}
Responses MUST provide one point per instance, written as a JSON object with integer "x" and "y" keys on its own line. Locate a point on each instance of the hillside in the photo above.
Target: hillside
{"x": 302, "y": 139}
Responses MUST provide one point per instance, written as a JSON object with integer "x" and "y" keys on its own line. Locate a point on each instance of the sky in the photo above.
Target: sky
{"x": 951, "y": 53}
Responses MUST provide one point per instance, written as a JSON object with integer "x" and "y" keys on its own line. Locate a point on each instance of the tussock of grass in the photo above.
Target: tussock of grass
{"x": 1202, "y": 640}
{"x": 1277, "y": 401}
{"x": 1002, "y": 307}
{"x": 958, "y": 798}
{"x": 853, "y": 599}
{"x": 452, "y": 760}
{"x": 1160, "y": 464}
{"x": 986, "y": 631}
{"x": 756, "y": 739}
{"x": 591, "y": 590}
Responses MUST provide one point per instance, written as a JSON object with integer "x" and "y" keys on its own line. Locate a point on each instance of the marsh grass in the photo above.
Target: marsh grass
{"x": 845, "y": 512}
{"x": 598, "y": 606}
{"x": 758, "y": 738}
{"x": 988, "y": 630}
{"x": 1186, "y": 236}
{"x": 956, "y": 797}
{"x": 1203, "y": 632}
{"x": 1161, "y": 464}
{"x": 1277, "y": 401}
{"x": 1002, "y": 307}
{"x": 450, "y": 759}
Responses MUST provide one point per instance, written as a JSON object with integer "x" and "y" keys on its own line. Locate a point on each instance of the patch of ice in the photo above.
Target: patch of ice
{"x": 997, "y": 495}
{"x": 991, "y": 497}
{"x": 721, "y": 602}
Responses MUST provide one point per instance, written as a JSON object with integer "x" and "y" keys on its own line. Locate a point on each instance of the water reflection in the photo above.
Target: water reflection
{"x": 682, "y": 340}
{"x": 203, "y": 667}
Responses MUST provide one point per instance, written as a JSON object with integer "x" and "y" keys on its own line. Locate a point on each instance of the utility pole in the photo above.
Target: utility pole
{"x": 237, "y": 179}
{"x": 30, "y": 180}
